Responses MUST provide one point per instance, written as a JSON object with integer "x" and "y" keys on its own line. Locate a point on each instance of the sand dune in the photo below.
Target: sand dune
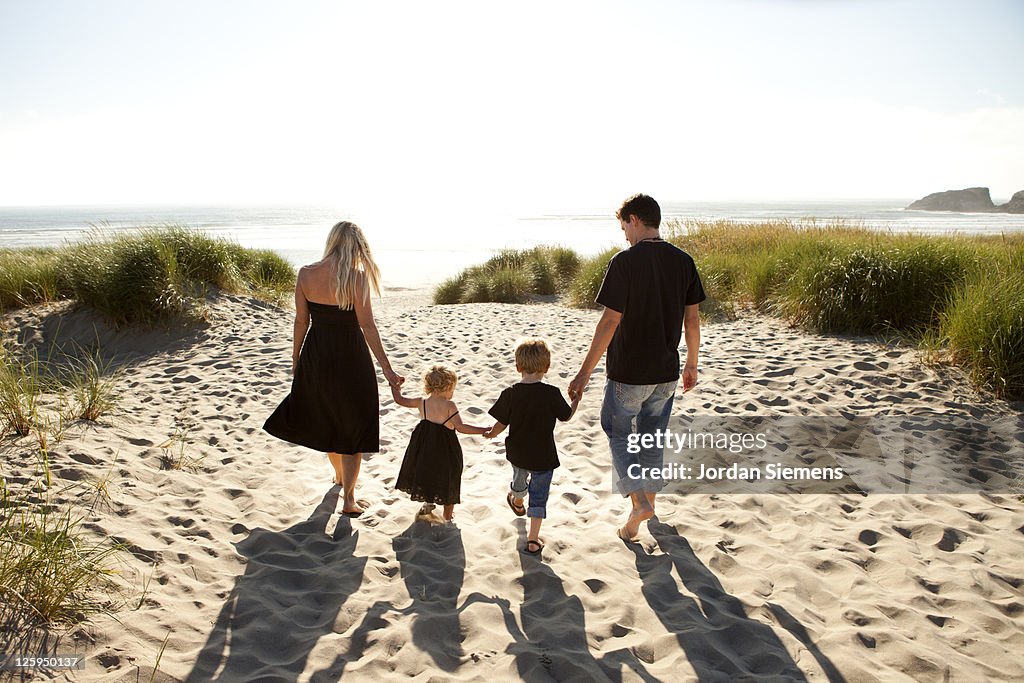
{"x": 256, "y": 576}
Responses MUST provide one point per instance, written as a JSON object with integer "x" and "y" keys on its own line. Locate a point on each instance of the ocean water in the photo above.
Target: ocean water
{"x": 417, "y": 250}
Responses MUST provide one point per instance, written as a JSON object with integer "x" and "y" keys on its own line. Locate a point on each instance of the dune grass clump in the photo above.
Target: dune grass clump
{"x": 589, "y": 277}
{"x": 511, "y": 276}
{"x": 28, "y": 276}
{"x": 152, "y": 275}
{"x": 983, "y": 326}
{"x": 161, "y": 274}
{"x": 875, "y": 288}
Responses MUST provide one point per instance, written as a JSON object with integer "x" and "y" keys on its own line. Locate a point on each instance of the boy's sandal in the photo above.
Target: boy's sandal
{"x": 518, "y": 509}
{"x": 537, "y": 546}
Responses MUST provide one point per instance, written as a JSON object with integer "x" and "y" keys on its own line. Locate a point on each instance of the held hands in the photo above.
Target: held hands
{"x": 577, "y": 386}
{"x": 394, "y": 379}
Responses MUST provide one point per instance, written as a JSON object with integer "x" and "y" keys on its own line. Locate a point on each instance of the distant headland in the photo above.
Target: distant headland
{"x": 971, "y": 199}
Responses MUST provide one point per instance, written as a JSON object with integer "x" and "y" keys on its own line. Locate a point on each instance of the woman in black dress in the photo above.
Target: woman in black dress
{"x": 333, "y": 405}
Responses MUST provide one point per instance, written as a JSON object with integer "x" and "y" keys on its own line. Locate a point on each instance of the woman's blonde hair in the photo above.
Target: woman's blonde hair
{"x": 347, "y": 248}
{"x": 438, "y": 380}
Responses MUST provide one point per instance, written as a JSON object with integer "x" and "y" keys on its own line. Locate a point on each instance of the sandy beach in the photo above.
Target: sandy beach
{"x": 252, "y": 574}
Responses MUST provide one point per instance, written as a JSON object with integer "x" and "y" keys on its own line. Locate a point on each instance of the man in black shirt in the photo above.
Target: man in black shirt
{"x": 650, "y": 294}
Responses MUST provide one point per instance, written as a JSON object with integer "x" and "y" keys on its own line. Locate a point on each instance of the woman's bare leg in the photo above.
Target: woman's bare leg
{"x": 346, "y": 472}
{"x": 336, "y": 464}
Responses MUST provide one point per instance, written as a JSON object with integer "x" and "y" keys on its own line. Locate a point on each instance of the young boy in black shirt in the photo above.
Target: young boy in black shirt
{"x": 530, "y": 409}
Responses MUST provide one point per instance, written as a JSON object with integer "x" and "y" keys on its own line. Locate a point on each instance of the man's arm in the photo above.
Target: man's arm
{"x": 603, "y": 334}
{"x": 691, "y": 332}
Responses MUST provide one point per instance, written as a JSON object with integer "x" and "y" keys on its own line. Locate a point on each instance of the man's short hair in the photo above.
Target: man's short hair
{"x": 533, "y": 355}
{"x": 643, "y": 207}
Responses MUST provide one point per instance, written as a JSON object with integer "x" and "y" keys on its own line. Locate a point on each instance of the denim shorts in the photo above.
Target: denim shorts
{"x": 639, "y": 408}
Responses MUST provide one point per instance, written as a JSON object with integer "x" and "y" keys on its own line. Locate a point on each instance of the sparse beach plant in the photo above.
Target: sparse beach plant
{"x": 21, "y": 386}
{"x": 49, "y": 570}
{"x": 93, "y": 386}
{"x": 175, "y": 454}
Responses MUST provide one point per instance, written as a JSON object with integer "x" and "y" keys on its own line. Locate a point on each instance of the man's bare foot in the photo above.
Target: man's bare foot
{"x": 640, "y": 513}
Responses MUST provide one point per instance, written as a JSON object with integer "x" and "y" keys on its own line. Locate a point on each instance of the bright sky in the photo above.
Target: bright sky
{"x": 481, "y": 104}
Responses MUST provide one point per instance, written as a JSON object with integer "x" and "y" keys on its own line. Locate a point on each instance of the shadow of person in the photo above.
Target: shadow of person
{"x": 720, "y": 641}
{"x": 432, "y": 561}
{"x": 295, "y": 583}
{"x": 552, "y": 643}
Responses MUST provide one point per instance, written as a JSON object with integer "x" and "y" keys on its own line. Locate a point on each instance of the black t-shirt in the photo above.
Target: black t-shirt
{"x": 649, "y": 284}
{"x": 530, "y": 411}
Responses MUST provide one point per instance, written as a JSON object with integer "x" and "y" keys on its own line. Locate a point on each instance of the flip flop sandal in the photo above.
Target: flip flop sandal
{"x": 518, "y": 509}
{"x": 539, "y": 544}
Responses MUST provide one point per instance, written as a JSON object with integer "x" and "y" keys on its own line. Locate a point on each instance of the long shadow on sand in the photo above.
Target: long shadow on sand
{"x": 553, "y": 641}
{"x": 432, "y": 562}
{"x": 720, "y": 641}
{"x": 294, "y": 584}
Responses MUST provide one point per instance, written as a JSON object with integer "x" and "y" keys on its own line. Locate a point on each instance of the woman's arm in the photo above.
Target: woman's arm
{"x": 364, "y": 314}
{"x": 404, "y": 401}
{"x": 301, "y": 325}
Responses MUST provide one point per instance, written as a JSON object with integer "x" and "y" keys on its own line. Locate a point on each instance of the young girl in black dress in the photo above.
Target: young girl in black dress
{"x": 432, "y": 467}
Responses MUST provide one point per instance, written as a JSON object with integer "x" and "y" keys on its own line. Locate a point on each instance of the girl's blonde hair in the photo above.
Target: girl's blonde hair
{"x": 438, "y": 380}
{"x": 347, "y": 248}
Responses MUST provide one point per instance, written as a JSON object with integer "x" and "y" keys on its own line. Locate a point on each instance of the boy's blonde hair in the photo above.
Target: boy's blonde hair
{"x": 438, "y": 380}
{"x": 533, "y": 355}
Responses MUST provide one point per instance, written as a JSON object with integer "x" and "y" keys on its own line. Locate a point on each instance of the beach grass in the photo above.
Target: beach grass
{"x": 149, "y": 275}
{"x": 50, "y": 572}
{"x": 512, "y": 276}
{"x": 29, "y": 276}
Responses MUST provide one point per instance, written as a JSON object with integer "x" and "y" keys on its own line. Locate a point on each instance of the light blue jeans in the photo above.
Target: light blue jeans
{"x": 635, "y": 408}
{"x": 538, "y": 484}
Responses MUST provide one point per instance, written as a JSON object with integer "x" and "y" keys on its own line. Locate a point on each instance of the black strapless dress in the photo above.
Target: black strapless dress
{"x": 333, "y": 405}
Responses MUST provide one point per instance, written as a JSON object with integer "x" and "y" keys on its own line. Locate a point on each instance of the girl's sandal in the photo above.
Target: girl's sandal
{"x": 537, "y": 545}
{"x": 518, "y": 509}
